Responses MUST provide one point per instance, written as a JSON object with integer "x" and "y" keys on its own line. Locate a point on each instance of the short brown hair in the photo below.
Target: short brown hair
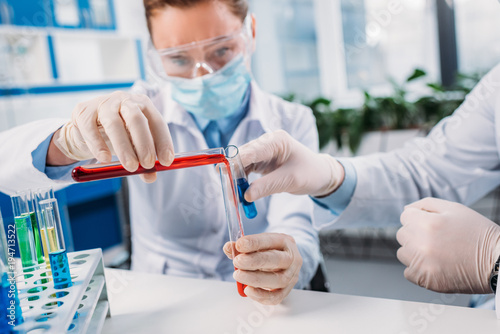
{"x": 237, "y": 7}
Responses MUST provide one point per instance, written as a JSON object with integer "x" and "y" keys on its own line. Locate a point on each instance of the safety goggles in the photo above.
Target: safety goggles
{"x": 207, "y": 56}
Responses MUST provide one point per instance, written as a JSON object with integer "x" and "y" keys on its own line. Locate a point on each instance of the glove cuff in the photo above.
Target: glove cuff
{"x": 69, "y": 141}
{"x": 335, "y": 177}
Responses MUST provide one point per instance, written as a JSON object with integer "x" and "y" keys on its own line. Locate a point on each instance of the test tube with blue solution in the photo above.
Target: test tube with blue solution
{"x": 24, "y": 232}
{"x": 40, "y": 195}
{"x": 54, "y": 238}
{"x": 10, "y": 308}
{"x": 232, "y": 154}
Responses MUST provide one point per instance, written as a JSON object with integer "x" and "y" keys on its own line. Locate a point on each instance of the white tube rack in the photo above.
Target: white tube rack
{"x": 81, "y": 308}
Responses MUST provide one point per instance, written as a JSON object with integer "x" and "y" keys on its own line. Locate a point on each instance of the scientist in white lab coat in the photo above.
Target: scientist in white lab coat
{"x": 446, "y": 246}
{"x": 203, "y": 96}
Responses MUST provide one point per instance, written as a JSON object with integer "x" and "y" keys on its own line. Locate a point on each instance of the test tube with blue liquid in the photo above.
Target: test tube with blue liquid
{"x": 24, "y": 232}
{"x": 54, "y": 238}
{"x": 10, "y": 308}
{"x": 232, "y": 154}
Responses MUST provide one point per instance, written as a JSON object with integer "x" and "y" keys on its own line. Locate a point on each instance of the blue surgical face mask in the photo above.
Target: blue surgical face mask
{"x": 213, "y": 96}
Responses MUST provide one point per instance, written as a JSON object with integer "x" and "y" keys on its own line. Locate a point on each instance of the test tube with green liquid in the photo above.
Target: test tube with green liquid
{"x": 24, "y": 233}
{"x": 27, "y": 197}
{"x": 54, "y": 239}
{"x": 40, "y": 195}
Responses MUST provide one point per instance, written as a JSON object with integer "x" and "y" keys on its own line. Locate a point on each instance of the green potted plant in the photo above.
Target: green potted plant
{"x": 388, "y": 113}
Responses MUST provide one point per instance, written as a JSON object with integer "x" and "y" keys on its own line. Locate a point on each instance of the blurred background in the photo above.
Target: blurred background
{"x": 376, "y": 73}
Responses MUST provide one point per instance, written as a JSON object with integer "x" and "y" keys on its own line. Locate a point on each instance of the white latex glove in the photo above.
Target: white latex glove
{"x": 288, "y": 166}
{"x": 122, "y": 124}
{"x": 268, "y": 263}
{"x": 448, "y": 247}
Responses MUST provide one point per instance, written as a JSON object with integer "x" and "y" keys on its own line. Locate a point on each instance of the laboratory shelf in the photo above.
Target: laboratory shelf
{"x": 42, "y": 61}
{"x": 76, "y": 15}
{"x": 58, "y": 89}
{"x": 80, "y": 308}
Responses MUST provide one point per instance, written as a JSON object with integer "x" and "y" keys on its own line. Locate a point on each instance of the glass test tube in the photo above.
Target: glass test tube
{"x": 235, "y": 227}
{"x": 10, "y": 308}
{"x": 40, "y": 195}
{"x": 24, "y": 232}
{"x": 27, "y": 197}
{"x": 54, "y": 239}
{"x": 232, "y": 174}
{"x": 184, "y": 160}
{"x": 36, "y": 233}
{"x": 232, "y": 155}
{"x": 115, "y": 169}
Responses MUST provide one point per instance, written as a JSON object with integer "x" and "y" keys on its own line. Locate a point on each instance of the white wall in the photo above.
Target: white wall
{"x": 267, "y": 64}
{"x": 130, "y": 18}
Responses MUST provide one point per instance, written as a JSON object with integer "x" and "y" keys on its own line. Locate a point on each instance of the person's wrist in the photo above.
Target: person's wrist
{"x": 336, "y": 176}
{"x": 55, "y": 157}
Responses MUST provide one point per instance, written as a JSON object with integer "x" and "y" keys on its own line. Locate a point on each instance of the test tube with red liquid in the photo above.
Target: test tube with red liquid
{"x": 233, "y": 179}
{"x": 115, "y": 169}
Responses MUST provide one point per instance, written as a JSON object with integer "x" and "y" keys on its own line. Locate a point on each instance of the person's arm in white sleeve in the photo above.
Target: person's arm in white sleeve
{"x": 458, "y": 160}
{"x": 23, "y": 150}
{"x": 127, "y": 125}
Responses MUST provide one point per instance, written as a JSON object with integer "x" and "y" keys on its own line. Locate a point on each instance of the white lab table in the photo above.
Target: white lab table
{"x": 146, "y": 303}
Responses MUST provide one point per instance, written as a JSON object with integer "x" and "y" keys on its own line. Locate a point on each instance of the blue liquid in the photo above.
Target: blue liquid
{"x": 60, "y": 269}
{"x": 249, "y": 208}
{"x": 10, "y": 308}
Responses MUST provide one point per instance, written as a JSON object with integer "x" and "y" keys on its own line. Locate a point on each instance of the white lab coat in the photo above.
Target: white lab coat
{"x": 458, "y": 161}
{"x": 178, "y": 222}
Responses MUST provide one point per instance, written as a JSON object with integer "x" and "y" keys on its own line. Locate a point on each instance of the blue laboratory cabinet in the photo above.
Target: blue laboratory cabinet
{"x": 35, "y": 13}
{"x": 97, "y": 14}
{"x": 75, "y": 14}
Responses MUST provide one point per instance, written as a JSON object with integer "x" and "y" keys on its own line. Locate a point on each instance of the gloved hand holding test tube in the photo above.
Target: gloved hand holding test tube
{"x": 233, "y": 178}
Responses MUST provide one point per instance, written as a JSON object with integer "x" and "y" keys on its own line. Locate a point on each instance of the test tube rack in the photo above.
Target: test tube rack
{"x": 81, "y": 308}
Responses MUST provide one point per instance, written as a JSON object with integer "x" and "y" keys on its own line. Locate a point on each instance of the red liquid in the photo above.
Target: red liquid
{"x": 94, "y": 173}
{"x": 86, "y": 174}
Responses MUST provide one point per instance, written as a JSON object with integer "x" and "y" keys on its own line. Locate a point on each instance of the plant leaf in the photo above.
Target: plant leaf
{"x": 418, "y": 73}
{"x": 436, "y": 87}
